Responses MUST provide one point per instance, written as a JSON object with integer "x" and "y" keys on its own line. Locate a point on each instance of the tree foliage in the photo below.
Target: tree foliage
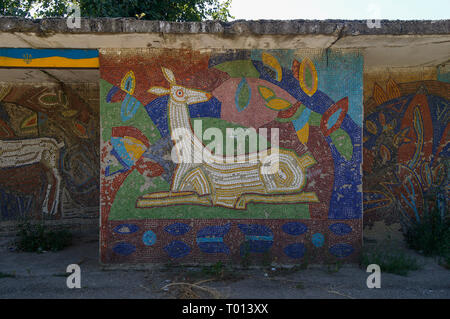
{"x": 169, "y": 10}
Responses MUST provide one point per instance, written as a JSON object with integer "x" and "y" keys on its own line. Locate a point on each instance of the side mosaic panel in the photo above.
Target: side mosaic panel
{"x": 49, "y": 147}
{"x": 406, "y": 150}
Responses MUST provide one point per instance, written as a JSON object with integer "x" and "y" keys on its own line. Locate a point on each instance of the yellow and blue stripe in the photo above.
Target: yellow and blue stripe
{"x": 48, "y": 58}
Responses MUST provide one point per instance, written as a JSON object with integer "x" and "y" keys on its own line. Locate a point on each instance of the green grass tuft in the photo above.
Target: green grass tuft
{"x": 391, "y": 261}
{"x": 6, "y": 275}
{"x": 37, "y": 238}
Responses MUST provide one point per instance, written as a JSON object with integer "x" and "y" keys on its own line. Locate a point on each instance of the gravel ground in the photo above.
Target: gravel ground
{"x": 43, "y": 276}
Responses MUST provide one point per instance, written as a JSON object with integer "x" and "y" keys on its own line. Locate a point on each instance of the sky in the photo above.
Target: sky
{"x": 341, "y": 9}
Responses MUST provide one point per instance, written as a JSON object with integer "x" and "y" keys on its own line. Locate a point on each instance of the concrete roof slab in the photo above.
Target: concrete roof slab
{"x": 394, "y": 44}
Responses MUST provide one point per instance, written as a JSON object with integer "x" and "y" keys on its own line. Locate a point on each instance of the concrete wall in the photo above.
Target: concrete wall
{"x": 49, "y": 153}
{"x": 406, "y": 146}
{"x": 253, "y": 74}
{"x": 153, "y": 210}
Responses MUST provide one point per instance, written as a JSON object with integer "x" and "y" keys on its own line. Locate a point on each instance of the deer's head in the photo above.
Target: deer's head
{"x": 179, "y": 93}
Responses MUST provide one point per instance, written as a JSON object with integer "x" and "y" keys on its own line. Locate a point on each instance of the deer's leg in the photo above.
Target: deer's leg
{"x": 194, "y": 189}
{"x": 55, "y": 192}
{"x": 276, "y": 199}
{"x": 181, "y": 171}
{"x": 48, "y": 191}
{"x": 197, "y": 181}
{"x": 172, "y": 198}
{"x": 49, "y": 159}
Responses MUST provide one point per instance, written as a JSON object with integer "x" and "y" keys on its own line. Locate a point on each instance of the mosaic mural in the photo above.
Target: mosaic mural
{"x": 406, "y": 150}
{"x": 48, "y": 150}
{"x": 155, "y": 209}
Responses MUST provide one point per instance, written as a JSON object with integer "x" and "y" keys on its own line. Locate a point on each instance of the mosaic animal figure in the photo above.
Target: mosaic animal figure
{"x": 16, "y": 153}
{"x": 269, "y": 176}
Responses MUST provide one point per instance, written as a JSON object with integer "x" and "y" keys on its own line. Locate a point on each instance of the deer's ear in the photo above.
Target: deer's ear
{"x": 157, "y": 90}
{"x": 168, "y": 74}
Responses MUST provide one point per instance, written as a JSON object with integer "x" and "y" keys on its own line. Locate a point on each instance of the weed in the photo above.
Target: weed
{"x": 304, "y": 264}
{"x": 389, "y": 260}
{"x": 63, "y": 274}
{"x": 267, "y": 259}
{"x": 245, "y": 257}
{"x": 300, "y": 285}
{"x": 283, "y": 271}
{"x": 169, "y": 266}
{"x": 334, "y": 267}
{"x": 6, "y": 275}
{"x": 220, "y": 271}
{"x": 446, "y": 261}
{"x": 431, "y": 234}
{"x": 216, "y": 270}
{"x": 37, "y": 238}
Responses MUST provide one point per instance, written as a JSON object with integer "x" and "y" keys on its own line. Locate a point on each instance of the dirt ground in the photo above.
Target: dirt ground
{"x": 44, "y": 276}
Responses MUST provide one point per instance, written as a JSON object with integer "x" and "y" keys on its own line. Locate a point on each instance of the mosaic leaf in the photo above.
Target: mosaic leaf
{"x": 266, "y": 93}
{"x": 379, "y": 95}
{"x": 393, "y": 91}
{"x": 125, "y": 229}
{"x": 278, "y": 104}
{"x": 239, "y": 68}
{"x": 371, "y": 127}
{"x": 270, "y": 61}
{"x": 177, "y": 229}
{"x": 439, "y": 175}
{"x": 385, "y": 154}
{"x": 343, "y": 143}
{"x": 5, "y": 130}
{"x": 340, "y": 229}
{"x": 129, "y": 107}
{"x": 30, "y": 122}
{"x": 128, "y": 83}
{"x": 111, "y": 93}
{"x": 303, "y": 134}
{"x": 328, "y": 118}
{"x": 291, "y": 113}
{"x": 419, "y": 129}
{"x": 79, "y": 129}
{"x": 308, "y": 77}
{"x": 243, "y": 95}
{"x": 294, "y": 228}
{"x": 374, "y": 200}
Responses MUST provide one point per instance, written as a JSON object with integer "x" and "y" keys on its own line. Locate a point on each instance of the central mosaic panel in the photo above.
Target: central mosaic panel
{"x": 189, "y": 145}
